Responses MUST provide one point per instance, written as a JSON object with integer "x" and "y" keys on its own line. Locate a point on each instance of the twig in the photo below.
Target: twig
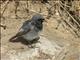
{"x": 5, "y": 7}
{"x": 62, "y": 53}
{"x": 3, "y": 26}
{"x": 68, "y": 23}
{"x": 69, "y": 14}
{"x": 65, "y": 5}
{"x": 16, "y": 6}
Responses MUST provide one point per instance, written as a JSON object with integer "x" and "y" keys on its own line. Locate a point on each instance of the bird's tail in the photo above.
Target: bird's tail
{"x": 12, "y": 39}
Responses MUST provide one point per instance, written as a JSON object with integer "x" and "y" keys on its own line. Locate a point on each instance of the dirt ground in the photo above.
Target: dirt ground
{"x": 61, "y": 36}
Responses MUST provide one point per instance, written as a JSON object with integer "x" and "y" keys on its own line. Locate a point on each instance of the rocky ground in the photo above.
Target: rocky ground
{"x": 55, "y": 44}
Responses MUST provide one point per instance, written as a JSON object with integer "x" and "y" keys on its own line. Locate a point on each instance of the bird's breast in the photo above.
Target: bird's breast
{"x": 31, "y": 35}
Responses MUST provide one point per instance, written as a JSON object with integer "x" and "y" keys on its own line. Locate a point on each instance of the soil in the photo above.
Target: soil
{"x": 60, "y": 36}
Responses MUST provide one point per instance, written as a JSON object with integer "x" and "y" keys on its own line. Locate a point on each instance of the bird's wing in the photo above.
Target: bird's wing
{"x": 20, "y": 33}
{"x": 24, "y": 29}
{"x": 23, "y": 32}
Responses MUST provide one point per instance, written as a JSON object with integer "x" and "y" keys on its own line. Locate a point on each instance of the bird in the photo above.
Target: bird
{"x": 31, "y": 29}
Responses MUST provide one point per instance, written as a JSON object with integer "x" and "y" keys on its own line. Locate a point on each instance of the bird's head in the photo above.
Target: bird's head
{"x": 38, "y": 18}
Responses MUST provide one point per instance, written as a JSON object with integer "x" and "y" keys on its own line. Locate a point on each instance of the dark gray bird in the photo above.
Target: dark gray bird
{"x": 31, "y": 28}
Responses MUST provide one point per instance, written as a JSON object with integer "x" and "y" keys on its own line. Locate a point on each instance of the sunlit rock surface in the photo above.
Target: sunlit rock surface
{"x": 45, "y": 50}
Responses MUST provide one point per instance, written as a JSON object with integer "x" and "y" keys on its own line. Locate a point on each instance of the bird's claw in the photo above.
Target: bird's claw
{"x": 31, "y": 46}
{"x": 39, "y": 42}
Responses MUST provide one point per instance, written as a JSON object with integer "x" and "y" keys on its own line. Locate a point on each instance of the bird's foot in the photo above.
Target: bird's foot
{"x": 31, "y": 46}
{"x": 39, "y": 42}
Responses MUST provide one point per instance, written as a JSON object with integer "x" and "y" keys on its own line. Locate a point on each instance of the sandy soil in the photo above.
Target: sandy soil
{"x": 61, "y": 36}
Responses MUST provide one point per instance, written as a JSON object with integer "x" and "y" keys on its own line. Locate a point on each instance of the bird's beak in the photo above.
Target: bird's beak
{"x": 45, "y": 20}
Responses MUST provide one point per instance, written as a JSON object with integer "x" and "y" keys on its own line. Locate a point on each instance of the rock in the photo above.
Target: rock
{"x": 45, "y": 50}
{"x": 3, "y": 49}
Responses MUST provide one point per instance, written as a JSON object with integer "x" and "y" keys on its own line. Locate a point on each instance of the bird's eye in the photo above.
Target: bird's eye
{"x": 39, "y": 19}
{"x": 43, "y": 19}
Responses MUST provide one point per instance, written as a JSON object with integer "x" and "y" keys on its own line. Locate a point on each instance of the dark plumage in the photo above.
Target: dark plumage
{"x": 31, "y": 28}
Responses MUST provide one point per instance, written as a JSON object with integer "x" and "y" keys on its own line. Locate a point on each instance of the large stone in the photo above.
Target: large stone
{"x": 45, "y": 50}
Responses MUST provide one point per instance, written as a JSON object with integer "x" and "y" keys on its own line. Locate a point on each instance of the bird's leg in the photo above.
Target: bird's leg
{"x": 30, "y": 44}
{"x": 37, "y": 39}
